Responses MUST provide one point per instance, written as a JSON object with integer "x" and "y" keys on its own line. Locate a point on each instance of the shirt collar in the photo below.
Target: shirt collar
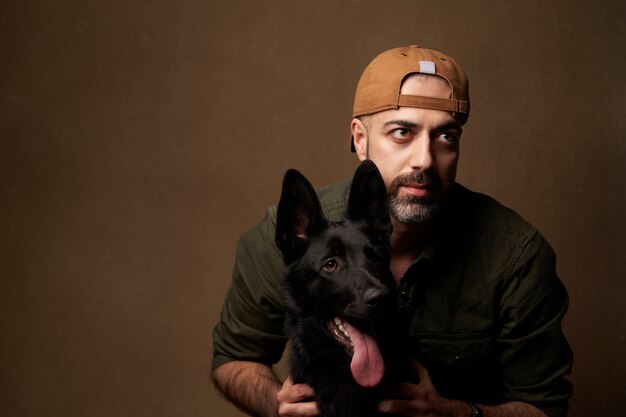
{"x": 442, "y": 230}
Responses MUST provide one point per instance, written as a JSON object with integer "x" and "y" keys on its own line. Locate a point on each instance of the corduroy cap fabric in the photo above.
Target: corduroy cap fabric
{"x": 379, "y": 87}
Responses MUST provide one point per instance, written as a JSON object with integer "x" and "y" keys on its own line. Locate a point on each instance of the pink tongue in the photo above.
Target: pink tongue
{"x": 367, "y": 364}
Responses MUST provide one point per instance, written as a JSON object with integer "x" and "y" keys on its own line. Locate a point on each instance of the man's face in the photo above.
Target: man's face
{"x": 415, "y": 149}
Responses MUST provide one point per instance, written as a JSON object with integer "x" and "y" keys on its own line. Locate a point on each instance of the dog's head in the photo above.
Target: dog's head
{"x": 338, "y": 272}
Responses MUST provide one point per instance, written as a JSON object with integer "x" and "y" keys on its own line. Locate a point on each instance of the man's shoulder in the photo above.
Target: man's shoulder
{"x": 503, "y": 241}
{"x": 488, "y": 215}
{"x": 334, "y": 197}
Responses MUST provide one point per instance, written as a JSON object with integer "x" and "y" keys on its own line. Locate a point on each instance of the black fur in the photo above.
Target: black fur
{"x": 338, "y": 269}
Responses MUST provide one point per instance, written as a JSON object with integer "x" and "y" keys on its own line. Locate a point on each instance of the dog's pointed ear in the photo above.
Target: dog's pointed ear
{"x": 299, "y": 215}
{"x": 368, "y": 200}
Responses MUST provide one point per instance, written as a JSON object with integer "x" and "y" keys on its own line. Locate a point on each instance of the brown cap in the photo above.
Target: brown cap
{"x": 379, "y": 86}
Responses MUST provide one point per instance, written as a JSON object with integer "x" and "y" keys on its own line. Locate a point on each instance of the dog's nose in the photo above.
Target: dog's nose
{"x": 375, "y": 296}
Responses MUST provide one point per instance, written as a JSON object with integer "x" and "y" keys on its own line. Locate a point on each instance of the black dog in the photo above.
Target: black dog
{"x": 339, "y": 294}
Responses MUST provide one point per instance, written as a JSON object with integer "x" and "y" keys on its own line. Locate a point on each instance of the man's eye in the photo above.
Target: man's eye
{"x": 331, "y": 264}
{"x": 401, "y": 133}
{"x": 449, "y": 137}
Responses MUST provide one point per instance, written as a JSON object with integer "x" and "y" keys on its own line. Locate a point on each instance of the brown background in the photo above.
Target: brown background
{"x": 139, "y": 139}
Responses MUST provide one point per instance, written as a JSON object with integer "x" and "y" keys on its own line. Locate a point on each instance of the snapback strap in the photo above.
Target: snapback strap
{"x": 457, "y": 106}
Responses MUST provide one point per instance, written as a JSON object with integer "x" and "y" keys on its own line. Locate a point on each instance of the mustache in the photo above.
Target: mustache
{"x": 423, "y": 178}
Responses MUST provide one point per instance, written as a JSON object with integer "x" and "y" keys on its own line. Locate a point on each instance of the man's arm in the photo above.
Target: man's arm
{"x": 249, "y": 336}
{"x": 250, "y": 386}
{"x": 422, "y": 399}
{"x": 454, "y": 408}
{"x": 255, "y": 389}
{"x": 513, "y": 408}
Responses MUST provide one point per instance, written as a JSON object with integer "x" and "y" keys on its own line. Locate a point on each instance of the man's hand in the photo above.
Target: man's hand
{"x": 290, "y": 400}
{"x": 421, "y": 399}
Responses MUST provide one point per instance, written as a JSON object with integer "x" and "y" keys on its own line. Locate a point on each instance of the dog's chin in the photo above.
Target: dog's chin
{"x": 340, "y": 333}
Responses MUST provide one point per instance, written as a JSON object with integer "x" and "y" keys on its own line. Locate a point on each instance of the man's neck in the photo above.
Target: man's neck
{"x": 409, "y": 238}
{"x": 407, "y": 243}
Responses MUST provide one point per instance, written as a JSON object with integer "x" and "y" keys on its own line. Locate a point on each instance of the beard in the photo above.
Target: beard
{"x": 411, "y": 209}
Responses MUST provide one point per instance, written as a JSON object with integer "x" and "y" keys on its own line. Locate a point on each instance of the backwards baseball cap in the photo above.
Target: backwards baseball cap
{"x": 379, "y": 87}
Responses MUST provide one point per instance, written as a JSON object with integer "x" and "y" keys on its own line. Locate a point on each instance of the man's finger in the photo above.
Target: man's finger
{"x": 293, "y": 393}
{"x": 298, "y": 409}
{"x": 402, "y": 408}
{"x": 422, "y": 373}
{"x": 404, "y": 391}
{"x": 288, "y": 382}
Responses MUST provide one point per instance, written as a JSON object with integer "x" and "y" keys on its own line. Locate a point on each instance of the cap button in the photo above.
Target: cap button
{"x": 414, "y": 46}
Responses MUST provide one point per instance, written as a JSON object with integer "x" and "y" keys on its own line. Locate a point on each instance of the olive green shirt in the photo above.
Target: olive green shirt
{"x": 483, "y": 304}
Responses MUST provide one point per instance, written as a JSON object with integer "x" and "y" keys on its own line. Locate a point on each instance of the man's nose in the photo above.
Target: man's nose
{"x": 421, "y": 153}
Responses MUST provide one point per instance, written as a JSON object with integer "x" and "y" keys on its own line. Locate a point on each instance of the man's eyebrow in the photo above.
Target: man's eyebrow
{"x": 450, "y": 125}
{"x": 400, "y": 122}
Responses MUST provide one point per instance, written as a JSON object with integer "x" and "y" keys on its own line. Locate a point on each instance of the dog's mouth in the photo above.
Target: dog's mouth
{"x": 339, "y": 331}
{"x": 367, "y": 365}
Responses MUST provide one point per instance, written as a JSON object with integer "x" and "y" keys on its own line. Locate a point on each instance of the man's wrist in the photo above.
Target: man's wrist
{"x": 475, "y": 410}
{"x": 456, "y": 408}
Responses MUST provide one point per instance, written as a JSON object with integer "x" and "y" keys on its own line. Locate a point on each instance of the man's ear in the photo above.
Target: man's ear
{"x": 359, "y": 137}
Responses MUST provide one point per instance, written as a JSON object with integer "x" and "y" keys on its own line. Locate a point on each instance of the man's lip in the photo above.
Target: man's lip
{"x": 419, "y": 190}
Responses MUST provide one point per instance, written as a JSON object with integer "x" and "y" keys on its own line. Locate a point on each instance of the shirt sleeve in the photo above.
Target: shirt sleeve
{"x": 251, "y": 320}
{"x": 535, "y": 356}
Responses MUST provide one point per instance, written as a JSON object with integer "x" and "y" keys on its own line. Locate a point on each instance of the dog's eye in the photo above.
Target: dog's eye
{"x": 331, "y": 264}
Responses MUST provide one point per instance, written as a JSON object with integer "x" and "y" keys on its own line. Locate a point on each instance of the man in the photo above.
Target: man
{"x": 477, "y": 285}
